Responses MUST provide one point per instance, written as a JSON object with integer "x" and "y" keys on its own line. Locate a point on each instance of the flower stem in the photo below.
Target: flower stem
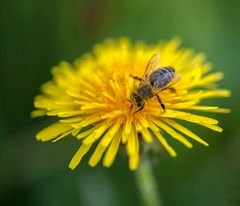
{"x": 147, "y": 184}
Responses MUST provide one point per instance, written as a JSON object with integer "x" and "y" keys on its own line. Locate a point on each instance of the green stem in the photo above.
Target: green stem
{"x": 147, "y": 184}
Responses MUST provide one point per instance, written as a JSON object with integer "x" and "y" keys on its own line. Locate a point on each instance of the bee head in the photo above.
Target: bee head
{"x": 136, "y": 100}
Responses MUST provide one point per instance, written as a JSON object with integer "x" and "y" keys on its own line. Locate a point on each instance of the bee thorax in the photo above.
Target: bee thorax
{"x": 144, "y": 91}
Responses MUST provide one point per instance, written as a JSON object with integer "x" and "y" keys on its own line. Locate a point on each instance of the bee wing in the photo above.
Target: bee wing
{"x": 154, "y": 63}
{"x": 174, "y": 80}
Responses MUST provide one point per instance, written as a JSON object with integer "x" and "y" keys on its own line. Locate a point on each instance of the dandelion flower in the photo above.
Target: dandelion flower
{"x": 90, "y": 100}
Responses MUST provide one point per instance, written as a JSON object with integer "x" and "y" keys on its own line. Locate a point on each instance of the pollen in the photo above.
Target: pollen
{"x": 90, "y": 100}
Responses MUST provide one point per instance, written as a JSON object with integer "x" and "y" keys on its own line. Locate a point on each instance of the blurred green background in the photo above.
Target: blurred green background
{"x": 35, "y": 35}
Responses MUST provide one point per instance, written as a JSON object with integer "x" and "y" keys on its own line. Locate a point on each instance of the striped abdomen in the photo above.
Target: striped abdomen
{"x": 161, "y": 77}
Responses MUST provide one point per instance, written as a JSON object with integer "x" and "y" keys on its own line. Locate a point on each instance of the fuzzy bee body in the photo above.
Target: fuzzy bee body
{"x": 155, "y": 79}
{"x": 161, "y": 77}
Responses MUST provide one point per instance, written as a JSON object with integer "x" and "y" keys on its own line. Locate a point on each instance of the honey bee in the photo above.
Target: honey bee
{"x": 154, "y": 80}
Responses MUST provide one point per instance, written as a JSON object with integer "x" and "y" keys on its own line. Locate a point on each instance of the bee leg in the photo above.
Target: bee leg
{"x": 160, "y": 102}
{"x": 139, "y": 109}
{"x": 135, "y": 77}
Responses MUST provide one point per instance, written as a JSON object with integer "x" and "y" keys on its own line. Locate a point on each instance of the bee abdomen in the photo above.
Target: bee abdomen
{"x": 162, "y": 76}
{"x": 168, "y": 69}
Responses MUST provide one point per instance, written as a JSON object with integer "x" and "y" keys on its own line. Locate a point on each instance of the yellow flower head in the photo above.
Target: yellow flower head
{"x": 92, "y": 100}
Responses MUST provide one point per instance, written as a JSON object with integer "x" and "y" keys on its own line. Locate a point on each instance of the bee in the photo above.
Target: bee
{"x": 154, "y": 80}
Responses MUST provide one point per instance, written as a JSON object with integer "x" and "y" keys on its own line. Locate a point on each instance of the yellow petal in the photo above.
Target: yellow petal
{"x": 112, "y": 114}
{"x": 38, "y": 113}
{"x": 132, "y": 141}
{"x": 216, "y": 93}
{"x": 128, "y": 124}
{"x": 163, "y": 141}
{"x": 112, "y": 151}
{"x": 72, "y": 120}
{"x": 87, "y": 121}
{"x": 209, "y": 109}
{"x": 221, "y": 110}
{"x": 117, "y": 88}
{"x": 61, "y": 113}
{"x": 213, "y": 77}
{"x": 183, "y": 105}
{"x": 142, "y": 120}
{"x": 190, "y": 117}
{"x": 185, "y": 131}
{"x": 79, "y": 155}
{"x": 124, "y": 137}
{"x": 111, "y": 133}
{"x": 86, "y": 133}
{"x": 76, "y": 131}
{"x": 62, "y": 136}
{"x": 133, "y": 161}
{"x": 134, "y": 157}
{"x": 107, "y": 95}
{"x": 96, "y": 156}
{"x": 212, "y": 127}
{"x": 42, "y": 102}
{"x": 79, "y": 95}
{"x": 94, "y": 106}
{"x": 145, "y": 133}
{"x": 201, "y": 108}
{"x": 96, "y": 134}
{"x": 127, "y": 129}
{"x": 53, "y": 131}
{"x": 172, "y": 132}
